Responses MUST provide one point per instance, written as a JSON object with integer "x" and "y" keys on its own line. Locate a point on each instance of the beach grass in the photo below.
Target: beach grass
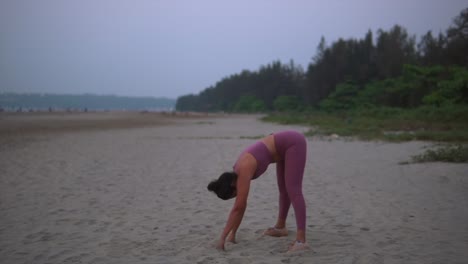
{"x": 389, "y": 124}
{"x": 450, "y": 153}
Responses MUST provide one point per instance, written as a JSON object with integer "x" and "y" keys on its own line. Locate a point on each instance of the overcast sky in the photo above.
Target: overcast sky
{"x": 171, "y": 48}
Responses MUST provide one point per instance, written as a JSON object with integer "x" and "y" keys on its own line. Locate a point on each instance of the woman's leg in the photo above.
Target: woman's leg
{"x": 295, "y": 159}
{"x": 284, "y": 202}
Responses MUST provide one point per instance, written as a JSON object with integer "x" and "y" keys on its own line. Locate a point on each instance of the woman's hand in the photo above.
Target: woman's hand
{"x": 232, "y": 238}
{"x": 220, "y": 244}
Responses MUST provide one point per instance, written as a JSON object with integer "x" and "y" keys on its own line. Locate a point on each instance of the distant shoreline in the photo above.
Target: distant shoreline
{"x": 15, "y": 102}
{"x": 27, "y": 123}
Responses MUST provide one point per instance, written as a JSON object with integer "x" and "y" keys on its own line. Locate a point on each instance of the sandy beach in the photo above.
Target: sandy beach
{"x": 131, "y": 188}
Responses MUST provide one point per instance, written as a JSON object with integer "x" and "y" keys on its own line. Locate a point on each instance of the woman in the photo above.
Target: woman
{"x": 288, "y": 150}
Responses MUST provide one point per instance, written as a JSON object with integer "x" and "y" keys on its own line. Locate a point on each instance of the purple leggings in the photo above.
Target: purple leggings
{"x": 291, "y": 146}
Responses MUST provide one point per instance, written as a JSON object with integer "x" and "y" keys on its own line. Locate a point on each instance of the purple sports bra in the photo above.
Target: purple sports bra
{"x": 261, "y": 154}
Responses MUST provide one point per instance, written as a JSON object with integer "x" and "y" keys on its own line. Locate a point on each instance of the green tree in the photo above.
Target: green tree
{"x": 453, "y": 90}
{"x": 343, "y": 98}
{"x": 394, "y": 49}
{"x": 457, "y": 40}
{"x": 249, "y": 104}
{"x": 431, "y": 50}
{"x": 287, "y": 103}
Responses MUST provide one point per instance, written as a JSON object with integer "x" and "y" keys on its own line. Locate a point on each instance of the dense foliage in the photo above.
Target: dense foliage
{"x": 416, "y": 86}
{"x": 390, "y": 69}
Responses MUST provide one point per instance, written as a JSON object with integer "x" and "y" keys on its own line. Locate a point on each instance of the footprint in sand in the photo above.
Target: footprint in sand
{"x": 75, "y": 259}
{"x": 206, "y": 260}
{"x": 238, "y": 261}
{"x": 60, "y": 254}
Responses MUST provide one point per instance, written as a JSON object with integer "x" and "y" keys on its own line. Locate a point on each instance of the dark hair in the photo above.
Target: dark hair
{"x": 223, "y": 185}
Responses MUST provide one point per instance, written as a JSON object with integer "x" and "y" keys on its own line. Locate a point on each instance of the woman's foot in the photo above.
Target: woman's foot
{"x": 298, "y": 246}
{"x": 276, "y": 232}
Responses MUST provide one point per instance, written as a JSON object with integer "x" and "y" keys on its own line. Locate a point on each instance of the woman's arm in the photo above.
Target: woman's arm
{"x": 246, "y": 170}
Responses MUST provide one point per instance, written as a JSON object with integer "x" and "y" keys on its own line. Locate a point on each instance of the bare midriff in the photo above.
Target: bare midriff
{"x": 269, "y": 142}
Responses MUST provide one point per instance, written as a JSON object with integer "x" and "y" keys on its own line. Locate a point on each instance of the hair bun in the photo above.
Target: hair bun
{"x": 213, "y": 185}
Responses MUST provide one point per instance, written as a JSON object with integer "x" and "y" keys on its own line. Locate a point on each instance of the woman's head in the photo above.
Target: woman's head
{"x": 224, "y": 186}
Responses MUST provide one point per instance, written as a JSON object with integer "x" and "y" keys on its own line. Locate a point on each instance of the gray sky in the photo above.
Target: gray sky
{"x": 172, "y": 47}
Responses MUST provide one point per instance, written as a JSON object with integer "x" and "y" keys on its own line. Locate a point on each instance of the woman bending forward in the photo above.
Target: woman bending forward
{"x": 288, "y": 150}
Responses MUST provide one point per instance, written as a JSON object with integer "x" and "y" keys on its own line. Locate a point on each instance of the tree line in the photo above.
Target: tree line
{"x": 389, "y": 69}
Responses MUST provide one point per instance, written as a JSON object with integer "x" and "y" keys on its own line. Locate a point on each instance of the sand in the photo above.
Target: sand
{"x": 137, "y": 194}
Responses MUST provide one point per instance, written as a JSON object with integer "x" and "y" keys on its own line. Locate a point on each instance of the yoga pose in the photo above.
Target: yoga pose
{"x": 288, "y": 150}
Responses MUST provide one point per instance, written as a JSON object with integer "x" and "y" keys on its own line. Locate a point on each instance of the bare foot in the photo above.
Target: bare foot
{"x": 276, "y": 232}
{"x": 298, "y": 246}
